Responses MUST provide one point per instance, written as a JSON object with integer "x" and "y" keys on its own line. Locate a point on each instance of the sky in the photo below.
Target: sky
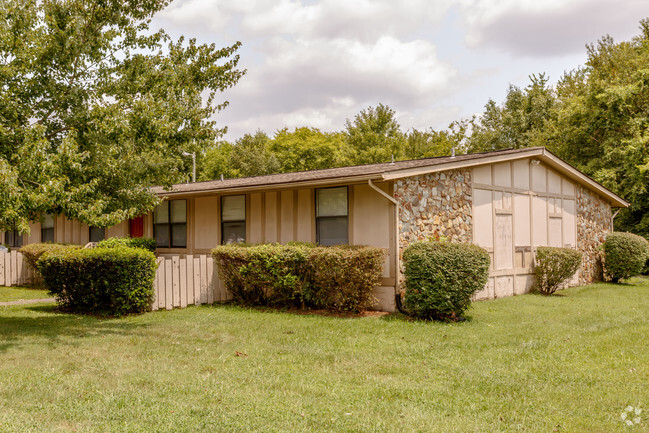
{"x": 317, "y": 63}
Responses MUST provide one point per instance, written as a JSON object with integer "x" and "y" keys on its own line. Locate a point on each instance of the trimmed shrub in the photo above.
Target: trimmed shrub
{"x": 300, "y": 274}
{"x": 441, "y": 277}
{"x": 105, "y": 281}
{"x": 266, "y": 274}
{"x": 344, "y": 277}
{"x": 554, "y": 266}
{"x": 146, "y": 243}
{"x": 625, "y": 255}
{"x": 33, "y": 252}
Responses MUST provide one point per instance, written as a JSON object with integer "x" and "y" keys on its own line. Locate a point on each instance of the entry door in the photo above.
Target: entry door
{"x": 137, "y": 227}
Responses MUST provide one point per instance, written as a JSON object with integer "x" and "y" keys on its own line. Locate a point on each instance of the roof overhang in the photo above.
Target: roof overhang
{"x": 539, "y": 153}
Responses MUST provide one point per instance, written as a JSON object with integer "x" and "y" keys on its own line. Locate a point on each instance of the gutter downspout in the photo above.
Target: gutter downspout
{"x": 397, "y": 269}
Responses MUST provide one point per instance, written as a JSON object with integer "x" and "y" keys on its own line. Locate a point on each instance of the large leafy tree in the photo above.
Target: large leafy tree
{"x": 95, "y": 107}
{"x": 309, "y": 149}
{"x": 375, "y": 136}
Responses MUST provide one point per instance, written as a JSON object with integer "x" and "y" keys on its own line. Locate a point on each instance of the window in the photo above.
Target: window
{"x": 233, "y": 219}
{"x": 97, "y": 234}
{"x": 14, "y": 239}
{"x": 47, "y": 229}
{"x": 170, "y": 224}
{"x": 331, "y": 216}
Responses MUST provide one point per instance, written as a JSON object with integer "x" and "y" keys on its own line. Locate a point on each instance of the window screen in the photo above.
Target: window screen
{"x": 47, "y": 229}
{"x": 97, "y": 234}
{"x": 14, "y": 239}
{"x": 233, "y": 219}
{"x": 170, "y": 224}
{"x": 331, "y": 216}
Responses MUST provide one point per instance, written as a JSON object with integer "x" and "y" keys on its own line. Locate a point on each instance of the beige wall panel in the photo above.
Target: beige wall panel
{"x": 304, "y": 218}
{"x": 503, "y": 248}
{"x": 482, "y": 218}
{"x": 507, "y": 200}
{"x": 568, "y": 188}
{"x": 487, "y": 292}
{"x": 503, "y": 174}
{"x": 554, "y": 182}
{"x": 270, "y": 214}
{"x": 498, "y": 199}
{"x": 569, "y": 228}
{"x": 206, "y": 222}
{"x": 555, "y": 232}
{"x": 287, "y": 206}
{"x": 69, "y": 227}
{"x": 385, "y": 298}
{"x": 371, "y": 224}
{"x": 522, "y": 228}
{"x": 85, "y": 234}
{"x": 523, "y": 284}
{"x": 75, "y": 236}
{"x": 522, "y": 174}
{"x": 540, "y": 228}
{"x": 504, "y": 286}
{"x": 59, "y": 229}
{"x": 117, "y": 231}
{"x": 34, "y": 233}
{"x": 482, "y": 174}
{"x": 538, "y": 178}
{"x": 256, "y": 218}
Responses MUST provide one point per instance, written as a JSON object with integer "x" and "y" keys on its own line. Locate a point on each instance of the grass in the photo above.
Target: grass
{"x": 8, "y": 294}
{"x": 568, "y": 363}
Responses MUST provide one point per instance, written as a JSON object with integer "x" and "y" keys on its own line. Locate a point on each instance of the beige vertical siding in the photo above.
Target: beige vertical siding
{"x": 517, "y": 207}
{"x": 206, "y": 230}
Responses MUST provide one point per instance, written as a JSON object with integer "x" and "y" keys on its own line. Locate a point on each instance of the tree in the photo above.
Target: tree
{"x": 95, "y": 107}
{"x": 428, "y": 143}
{"x": 375, "y": 136}
{"x": 251, "y": 156}
{"x": 309, "y": 149}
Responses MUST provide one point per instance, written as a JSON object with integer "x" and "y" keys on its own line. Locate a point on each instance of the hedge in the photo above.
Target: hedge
{"x": 625, "y": 255}
{"x": 105, "y": 281}
{"x": 300, "y": 274}
{"x": 146, "y": 243}
{"x": 33, "y": 252}
{"x": 441, "y": 278}
{"x": 554, "y": 266}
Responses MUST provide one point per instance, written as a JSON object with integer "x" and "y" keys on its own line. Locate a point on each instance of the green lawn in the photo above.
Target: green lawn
{"x": 21, "y": 293}
{"x": 568, "y": 363}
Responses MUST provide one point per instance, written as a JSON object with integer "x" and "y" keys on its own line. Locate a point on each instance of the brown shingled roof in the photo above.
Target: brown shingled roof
{"x": 362, "y": 172}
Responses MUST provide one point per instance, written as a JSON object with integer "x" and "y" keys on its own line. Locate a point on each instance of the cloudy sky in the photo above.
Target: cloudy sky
{"x": 319, "y": 62}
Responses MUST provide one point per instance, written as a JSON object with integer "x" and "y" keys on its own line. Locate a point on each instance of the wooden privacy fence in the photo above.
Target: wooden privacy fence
{"x": 190, "y": 280}
{"x": 14, "y": 270}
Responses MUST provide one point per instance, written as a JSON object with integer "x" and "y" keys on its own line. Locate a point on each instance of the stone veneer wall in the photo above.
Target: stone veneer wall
{"x": 435, "y": 204}
{"x": 593, "y": 223}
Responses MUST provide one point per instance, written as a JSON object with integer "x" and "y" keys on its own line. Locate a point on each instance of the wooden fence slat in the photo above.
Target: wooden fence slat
{"x": 203, "y": 261}
{"x": 183, "y": 283}
{"x": 2, "y": 268}
{"x": 168, "y": 284}
{"x": 20, "y": 277}
{"x": 191, "y": 300}
{"x": 175, "y": 264}
{"x": 210, "y": 282}
{"x": 197, "y": 280}
{"x": 8, "y": 270}
{"x": 158, "y": 283}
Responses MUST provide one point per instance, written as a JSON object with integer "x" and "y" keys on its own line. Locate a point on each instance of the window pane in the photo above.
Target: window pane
{"x": 179, "y": 235}
{"x": 18, "y": 239}
{"x": 161, "y": 213}
{"x": 161, "y": 235}
{"x": 331, "y": 201}
{"x": 233, "y": 233}
{"x": 47, "y": 234}
{"x": 48, "y": 222}
{"x": 178, "y": 211}
{"x": 233, "y": 208}
{"x": 9, "y": 238}
{"x": 332, "y": 231}
{"x": 97, "y": 234}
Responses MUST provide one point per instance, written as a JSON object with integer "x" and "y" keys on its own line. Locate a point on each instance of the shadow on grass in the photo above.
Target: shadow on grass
{"x": 53, "y": 327}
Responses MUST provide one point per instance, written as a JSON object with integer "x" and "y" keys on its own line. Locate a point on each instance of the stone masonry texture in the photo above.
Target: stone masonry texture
{"x": 593, "y": 223}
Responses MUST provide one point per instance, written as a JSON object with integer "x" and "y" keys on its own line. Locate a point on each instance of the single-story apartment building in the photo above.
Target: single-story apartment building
{"x": 507, "y": 201}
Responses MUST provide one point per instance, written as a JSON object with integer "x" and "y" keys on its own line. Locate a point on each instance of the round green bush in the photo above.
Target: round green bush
{"x": 105, "y": 281}
{"x": 441, "y": 278}
{"x": 33, "y": 252}
{"x": 554, "y": 266}
{"x": 625, "y": 255}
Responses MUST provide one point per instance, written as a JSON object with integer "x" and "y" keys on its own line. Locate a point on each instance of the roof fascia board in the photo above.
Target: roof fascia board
{"x": 276, "y": 186}
{"x": 408, "y": 172}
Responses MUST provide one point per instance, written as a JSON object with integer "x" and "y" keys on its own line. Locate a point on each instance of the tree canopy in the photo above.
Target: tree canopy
{"x": 95, "y": 107}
